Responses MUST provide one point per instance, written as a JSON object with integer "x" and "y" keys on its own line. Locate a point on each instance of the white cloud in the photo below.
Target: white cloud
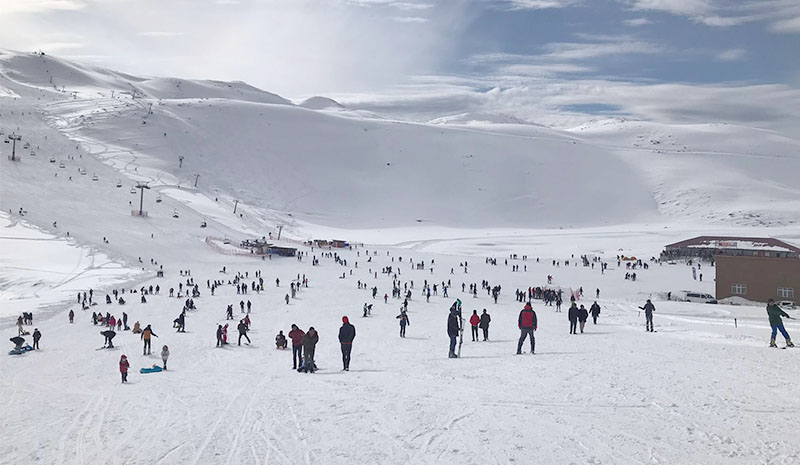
{"x": 538, "y": 4}
{"x": 159, "y": 34}
{"x": 583, "y": 50}
{"x": 787, "y": 26}
{"x": 8, "y": 7}
{"x": 637, "y": 22}
{"x": 410, "y": 19}
{"x": 732, "y": 54}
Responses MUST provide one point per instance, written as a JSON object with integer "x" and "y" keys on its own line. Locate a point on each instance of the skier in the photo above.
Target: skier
{"x": 453, "y": 328}
{"x": 243, "y": 332}
{"x": 71, "y": 316}
{"x": 165, "y": 356}
{"x": 123, "y": 368}
{"x": 219, "y": 335}
{"x": 146, "y": 335}
{"x": 280, "y": 340}
{"x": 474, "y": 320}
{"x": 109, "y": 335}
{"x": 583, "y": 315}
{"x": 775, "y": 313}
{"x": 296, "y": 335}
{"x": 403, "y": 316}
{"x": 310, "y": 340}
{"x": 484, "y": 324}
{"x": 37, "y": 335}
{"x": 527, "y": 324}
{"x": 595, "y": 309}
{"x": 346, "y": 335}
{"x": 648, "y": 308}
{"x": 572, "y": 314}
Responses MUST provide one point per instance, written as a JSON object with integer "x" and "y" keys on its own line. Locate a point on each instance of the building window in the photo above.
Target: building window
{"x": 738, "y": 289}
{"x": 786, "y": 293}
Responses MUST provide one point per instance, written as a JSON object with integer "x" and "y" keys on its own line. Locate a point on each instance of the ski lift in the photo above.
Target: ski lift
{"x": 175, "y": 214}
{"x": 226, "y": 241}
{"x": 26, "y": 146}
{"x": 52, "y": 159}
{"x": 94, "y": 177}
{"x": 82, "y": 171}
{"x": 62, "y": 165}
{"x": 203, "y": 224}
{"x": 33, "y": 154}
{"x": 158, "y": 199}
{"x": 119, "y": 183}
{"x": 133, "y": 190}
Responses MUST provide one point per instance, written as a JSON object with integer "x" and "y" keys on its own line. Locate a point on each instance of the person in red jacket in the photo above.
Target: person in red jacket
{"x": 296, "y": 335}
{"x": 123, "y": 368}
{"x": 474, "y": 321}
{"x": 527, "y": 325}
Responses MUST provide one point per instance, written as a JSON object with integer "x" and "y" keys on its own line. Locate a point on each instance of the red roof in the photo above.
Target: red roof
{"x": 750, "y": 243}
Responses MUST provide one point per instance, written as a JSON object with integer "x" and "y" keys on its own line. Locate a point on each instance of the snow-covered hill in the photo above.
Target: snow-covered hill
{"x": 225, "y": 162}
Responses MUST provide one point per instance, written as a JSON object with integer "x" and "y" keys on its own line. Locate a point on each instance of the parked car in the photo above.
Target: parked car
{"x": 787, "y": 305}
{"x": 700, "y": 298}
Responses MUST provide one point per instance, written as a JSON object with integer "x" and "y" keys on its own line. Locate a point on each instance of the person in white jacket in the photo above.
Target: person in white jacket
{"x": 165, "y": 355}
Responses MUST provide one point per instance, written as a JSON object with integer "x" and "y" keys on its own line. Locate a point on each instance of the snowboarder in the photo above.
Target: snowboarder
{"x": 595, "y": 309}
{"x": 527, "y": 324}
{"x": 347, "y": 333}
{"x": 648, "y": 308}
{"x": 123, "y": 368}
{"x": 146, "y": 335}
{"x": 403, "y": 316}
{"x": 242, "y": 332}
{"x": 583, "y": 315}
{"x": 37, "y": 335}
{"x": 484, "y": 324}
{"x": 453, "y": 328}
{"x": 775, "y": 313}
{"x": 572, "y": 314}
{"x": 165, "y": 356}
{"x": 296, "y": 335}
{"x": 310, "y": 340}
{"x": 280, "y": 340}
{"x": 474, "y": 321}
{"x": 109, "y": 335}
{"x": 71, "y": 316}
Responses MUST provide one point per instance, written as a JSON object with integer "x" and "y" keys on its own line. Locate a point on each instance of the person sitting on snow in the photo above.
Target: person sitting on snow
{"x": 280, "y": 340}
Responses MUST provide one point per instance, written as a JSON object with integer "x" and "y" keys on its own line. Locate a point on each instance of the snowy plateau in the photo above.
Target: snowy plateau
{"x": 461, "y": 189}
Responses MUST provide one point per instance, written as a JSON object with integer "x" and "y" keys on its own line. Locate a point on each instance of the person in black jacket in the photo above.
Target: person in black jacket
{"x": 219, "y": 335}
{"x": 572, "y": 314}
{"x": 242, "y": 332}
{"x": 346, "y": 335}
{"x": 453, "y": 328}
{"x": 484, "y": 324}
{"x": 583, "y": 315}
{"x": 595, "y": 309}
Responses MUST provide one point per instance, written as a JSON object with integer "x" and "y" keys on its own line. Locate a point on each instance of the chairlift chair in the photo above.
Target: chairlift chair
{"x": 133, "y": 190}
{"x": 62, "y": 165}
{"x": 52, "y": 159}
{"x": 94, "y": 177}
{"x": 175, "y": 214}
{"x": 158, "y": 199}
{"x": 119, "y": 183}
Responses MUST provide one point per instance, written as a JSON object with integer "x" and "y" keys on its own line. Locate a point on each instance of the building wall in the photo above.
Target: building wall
{"x": 762, "y": 276}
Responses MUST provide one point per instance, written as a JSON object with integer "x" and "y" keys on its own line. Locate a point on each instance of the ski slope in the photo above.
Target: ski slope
{"x": 703, "y": 389}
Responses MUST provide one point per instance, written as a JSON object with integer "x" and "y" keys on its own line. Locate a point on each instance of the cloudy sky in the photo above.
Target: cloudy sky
{"x": 555, "y": 62}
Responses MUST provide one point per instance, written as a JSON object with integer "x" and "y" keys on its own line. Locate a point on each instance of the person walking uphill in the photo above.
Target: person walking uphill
{"x": 37, "y": 335}
{"x": 595, "y": 310}
{"x": 242, "y": 332}
{"x": 452, "y": 330}
{"x": 648, "y": 308}
{"x": 296, "y": 335}
{"x": 310, "y": 340}
{"x": 474, "y": 321}
{"x": 775, "y": 313}
{"x": 572, "y": 314}
{"x": 123, "y": 368}
{"x": 527, "y": 324}
{"x": 583, "y": 315}
{"x": 346, "y": 335}
{"x": 146, "y": 335}
{"x": 484, "y": 324}
{"x": 404, "y": 321}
